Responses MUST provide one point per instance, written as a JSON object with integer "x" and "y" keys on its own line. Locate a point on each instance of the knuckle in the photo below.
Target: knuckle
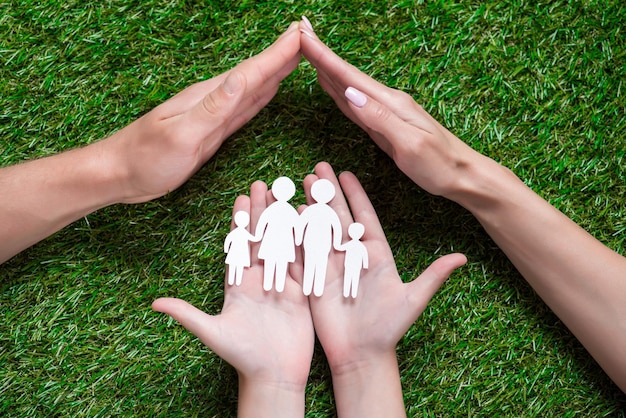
{"x": 211, "y": 105}
{"x": 381, "y": 113}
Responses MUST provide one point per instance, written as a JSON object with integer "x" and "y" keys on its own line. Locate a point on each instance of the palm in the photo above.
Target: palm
{"x": 347, "y": 326}
{"x": 265, "y": 335}
{"x": 352, "y": 329}
{"x": 265, "y": 329}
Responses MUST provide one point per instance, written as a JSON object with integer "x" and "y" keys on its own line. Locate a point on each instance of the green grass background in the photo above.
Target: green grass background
{"x": 536, "y": 85}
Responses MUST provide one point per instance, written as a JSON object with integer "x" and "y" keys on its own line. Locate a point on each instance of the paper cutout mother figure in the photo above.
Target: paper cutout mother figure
{"x": 320, "y": 228}
{"x": 237, "y": 245}
{"x": 277, "y": 227}
{"x": 356, "y": 258}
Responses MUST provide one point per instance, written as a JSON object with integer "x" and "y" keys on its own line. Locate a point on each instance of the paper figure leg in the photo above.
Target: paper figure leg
{"x": 268, "y": 275}
{"x": 281, "y": 276}
{"x": 309, "y": 273}
{"x": 355, "y": 284}
{"x": 239, "y": 275}
{"x": 231, "y": 274}
{"x": 320, "y": 276}
{"x": 346, "y": 286}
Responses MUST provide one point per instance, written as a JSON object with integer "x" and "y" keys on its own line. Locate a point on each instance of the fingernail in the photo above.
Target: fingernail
{"x": 307, "y": 28}
{"x": 307, "y": 23}
{"x": 232, "y": 83}
{"x": 356, "y": 97}
{"x": 308, "y": 33}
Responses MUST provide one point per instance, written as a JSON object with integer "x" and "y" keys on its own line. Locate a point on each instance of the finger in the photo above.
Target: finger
{"x": 307, "y": 184}
{"x": 387, "y": 129}
{"x": 344, "y": 74}
{"x": 193, "y": 319}
{"x": 255, "y": 100}
{"x": 213, "y": 112}
{"x": 421, "y": 290}
{"x": 337, "y": 94}
{"x": 258, "y": 190}
{"x": 362, "y": 209}
{"x": 242, "y": 203}
{"x": 278, "y": 57}
{"x": 339, "y": 75}
{"x": 296, "y": 269}
{"x": 263, "y": 71}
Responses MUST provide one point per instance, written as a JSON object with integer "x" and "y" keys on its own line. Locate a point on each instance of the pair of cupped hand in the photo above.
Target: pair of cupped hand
{"x": 269, "y": 336}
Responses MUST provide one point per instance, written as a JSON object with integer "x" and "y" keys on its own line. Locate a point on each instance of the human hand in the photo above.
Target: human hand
{"x": 360, "y": 335}
{"x": 421, "y": 147}
{"x": 161, "y": 150}
{"x": 266, "y": 336}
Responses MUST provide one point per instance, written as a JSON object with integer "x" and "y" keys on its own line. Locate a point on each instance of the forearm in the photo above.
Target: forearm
{"x": 583, "y": 281}
{"x": 40, "y": 197}
{"x": 271, "y": 400}
{"x": 369, "y": 388}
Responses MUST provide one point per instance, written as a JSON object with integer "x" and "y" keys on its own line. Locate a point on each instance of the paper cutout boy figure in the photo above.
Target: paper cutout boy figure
{"x": 356, "y": 258}
{"x": 277, "y": 227}
{"x": 320, "y": 227}
{"x": 237, "y": 245}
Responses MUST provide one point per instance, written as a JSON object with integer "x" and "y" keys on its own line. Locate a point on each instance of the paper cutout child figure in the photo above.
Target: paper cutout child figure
{"x": 237, "y": 246}
{"x": 277, "y": 227}
{"x": 320, "y": 227}
{"x": 356, "y": 258}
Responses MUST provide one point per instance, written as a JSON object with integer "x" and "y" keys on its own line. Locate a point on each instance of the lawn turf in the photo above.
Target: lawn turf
{"x": 538, "y": 86}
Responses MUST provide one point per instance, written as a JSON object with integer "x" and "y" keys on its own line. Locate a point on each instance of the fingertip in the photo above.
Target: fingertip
{"x": 307, "y": 23}
{"x": 242, "y": 204}
{"x": 258, "y": 186}
{"x": 323, "y": 166}
{"x": 292, "y": 26}
{"x": 455, "y": 260}
{"x": 161, "y": 304}
{"x": 155, "y": 305}
{"x": 346, "y": 175}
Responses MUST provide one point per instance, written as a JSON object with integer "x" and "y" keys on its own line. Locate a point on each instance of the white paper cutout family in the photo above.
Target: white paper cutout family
{"x": 280, "y": 229}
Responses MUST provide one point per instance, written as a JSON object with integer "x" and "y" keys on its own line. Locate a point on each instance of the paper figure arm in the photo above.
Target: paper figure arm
{"x": 227, "y": 242}
{"x": 336, "y": 225}
{"x": 365, "y": 256}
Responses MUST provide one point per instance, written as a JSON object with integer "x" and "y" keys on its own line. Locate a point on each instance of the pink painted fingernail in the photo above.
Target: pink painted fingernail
{"x": 356, "y": 97}
{"x": 307, "y": 23}
{"x": 307, "y": 29}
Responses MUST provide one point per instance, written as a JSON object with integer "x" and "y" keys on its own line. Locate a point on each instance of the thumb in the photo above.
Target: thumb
{"x": 217, "y": 107}
{"x": 196, "y": 321}
{"x": 422, "y": 289}
{"x": 211, "y": 118}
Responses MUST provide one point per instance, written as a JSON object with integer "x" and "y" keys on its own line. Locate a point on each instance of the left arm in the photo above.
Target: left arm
{"x": 147, "y": 159}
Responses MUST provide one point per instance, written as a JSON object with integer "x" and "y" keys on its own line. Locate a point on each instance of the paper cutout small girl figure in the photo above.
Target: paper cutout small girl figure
{"x": 320, "y": 228}
{"x": 356, "y": 258}
{"x": 237, "y": 246}
{"x": 277, "y": 227}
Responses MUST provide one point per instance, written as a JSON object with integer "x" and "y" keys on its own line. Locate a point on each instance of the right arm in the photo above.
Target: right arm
{"x": 360, "y": 337}
{"x": 581, "y": 280}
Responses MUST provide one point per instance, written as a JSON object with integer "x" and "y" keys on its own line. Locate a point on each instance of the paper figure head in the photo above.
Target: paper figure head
{"x": 322, "y": 191}
{"x": 356, "y": 230}
{"x": 283, "y": 189}
{"x": 242, "y": 219}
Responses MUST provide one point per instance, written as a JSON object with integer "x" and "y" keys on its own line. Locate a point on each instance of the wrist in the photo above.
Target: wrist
{"x": 119, "y": 162}
{"x": 270, "y": 398}
{"x": 483, "y": 185}
{"x": 369, "y": 387}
